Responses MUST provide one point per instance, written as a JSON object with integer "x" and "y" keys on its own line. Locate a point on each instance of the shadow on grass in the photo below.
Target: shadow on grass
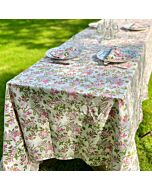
{"x": 39, "y": 33}
{"x": 65, "y": 165}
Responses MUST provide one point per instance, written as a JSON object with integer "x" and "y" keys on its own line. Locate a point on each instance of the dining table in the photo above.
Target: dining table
{"x": 80, "y": 108}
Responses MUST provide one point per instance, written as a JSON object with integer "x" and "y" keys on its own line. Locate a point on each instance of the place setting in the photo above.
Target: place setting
{"x": 63, "y": 55}
{"x": 115, "y": 56}
{"x": 134, "y": 27}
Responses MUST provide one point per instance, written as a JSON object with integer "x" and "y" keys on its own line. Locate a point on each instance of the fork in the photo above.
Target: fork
{"x": 114, "y": 65}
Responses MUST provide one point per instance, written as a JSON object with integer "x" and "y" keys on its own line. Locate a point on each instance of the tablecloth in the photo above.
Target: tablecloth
{"x": 81, "y": 110}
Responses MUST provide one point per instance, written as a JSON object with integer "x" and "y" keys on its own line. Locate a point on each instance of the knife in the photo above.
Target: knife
{"x": 59, "y": 62}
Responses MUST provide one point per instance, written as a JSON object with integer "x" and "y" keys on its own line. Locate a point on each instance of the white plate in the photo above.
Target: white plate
{"x": 95, "y": 24}
{"x": 134, "y": 28}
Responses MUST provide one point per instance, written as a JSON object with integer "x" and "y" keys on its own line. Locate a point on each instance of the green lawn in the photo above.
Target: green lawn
{"x": 23, "y": 42}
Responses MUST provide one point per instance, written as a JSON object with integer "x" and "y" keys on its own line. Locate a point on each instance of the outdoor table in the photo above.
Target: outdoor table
{"x": 79, "y": 110}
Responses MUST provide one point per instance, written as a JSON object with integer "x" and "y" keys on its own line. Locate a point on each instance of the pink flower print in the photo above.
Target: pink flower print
{"x": 60, "y": 129}
{"x": 19, "y": 99}
{"x": 30, "y": 137}
{"x": 128, "y": 65}
{"x": 45, "y": 114}
{"x": 88, "y": 95}
{"x": 107, "y": 95}
{"x": 64, "y": 158}
{"x": 16, "y": 169}
{"x": 71, "y": 115}
{"x": 123, "y": 135}
{"x": 26, "y": 122}
{"x": 5, "y": 147}
{"x": 7, "y": 135}
{"x": 121, "y": 145}
{"x": 77, "y": 130}
{"x": 110, "y": 148}
{"x": 64, "y": 150}
{"x": 121, "y": 103}
{"x": 49, "y": 148}
{"x": 88, "y": 72}
{"x": 28, "y": 113}
{"x": 6, "y": 107}
{"x": 36, "y": 98}
{"x": 125, "y": 118}
{"x": 43, "y": 134}
{"x": 119, "y": 83}
{"x": 73, "y": 93}
{"x": 45, "y": 81}
{"x": 16, "y": 134}
{"x": 98, "y": 84}
{"x": 127, "y": 161}
{"x": 24, "y": 98}
{"x": 112, "y": 113}
{"x": 54, "y": 91}
{"x": 115, "y": 81}
{"x": 12, "y": 153}
{"x": 23, "y": 104}
{"x": 12, "y": 94}
{"x": 118, "y": 52}
{"x": 29, "y": 78}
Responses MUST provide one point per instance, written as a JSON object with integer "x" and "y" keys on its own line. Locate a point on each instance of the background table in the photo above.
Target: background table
{"x": 82, "y": 110}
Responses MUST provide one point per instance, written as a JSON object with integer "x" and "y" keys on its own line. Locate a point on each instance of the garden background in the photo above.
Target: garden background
{"x": 23, "y": 42}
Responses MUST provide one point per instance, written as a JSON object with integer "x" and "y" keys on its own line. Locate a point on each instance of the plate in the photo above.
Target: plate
{"x": 135, "y": 27}
{"x": 127, "y": 53}
{"x": 95, "y": 24}
{"x": 63, "y": 53}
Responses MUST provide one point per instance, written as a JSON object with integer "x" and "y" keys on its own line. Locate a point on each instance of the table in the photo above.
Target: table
{"x": 81, "y": 110}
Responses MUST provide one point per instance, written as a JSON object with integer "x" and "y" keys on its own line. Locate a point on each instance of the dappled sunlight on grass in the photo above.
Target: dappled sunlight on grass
{"x": 38, "y": 34}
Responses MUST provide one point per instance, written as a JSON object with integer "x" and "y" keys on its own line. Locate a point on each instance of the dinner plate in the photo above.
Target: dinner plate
{"x": 135, "y": 27}
{"x": 63, "y": 53}
{"x": 104, "y": 55}
{"x": 127, "y": 52}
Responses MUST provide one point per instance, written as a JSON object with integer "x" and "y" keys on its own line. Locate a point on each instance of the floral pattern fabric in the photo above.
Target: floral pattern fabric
{"x": 80, "y": 110}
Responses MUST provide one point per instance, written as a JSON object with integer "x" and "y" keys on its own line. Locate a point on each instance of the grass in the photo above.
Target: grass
{"x": 23, "y": 42}
{"x": 144, "y": 145}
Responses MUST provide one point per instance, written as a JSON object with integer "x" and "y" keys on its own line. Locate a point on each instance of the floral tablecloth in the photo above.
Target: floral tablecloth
{"x": 81, "y": 110}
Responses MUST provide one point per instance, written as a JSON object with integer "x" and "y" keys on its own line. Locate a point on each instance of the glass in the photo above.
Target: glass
{"x": 101, "y": 28}
{"x": 108, "y": 29}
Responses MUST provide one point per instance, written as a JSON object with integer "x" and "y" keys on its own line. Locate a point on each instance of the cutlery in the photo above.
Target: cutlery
{"x": 106, "y": 63}
{"x": 59, "y": 62}
{"x": 121, "y": 67}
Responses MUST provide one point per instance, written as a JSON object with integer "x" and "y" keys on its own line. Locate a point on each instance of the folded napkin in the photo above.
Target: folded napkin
{"x": 112, "y": 55}
{"x": 115, "y": 56}
{"x": 135, "y": 26}
{"x": 64, "y": 53}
